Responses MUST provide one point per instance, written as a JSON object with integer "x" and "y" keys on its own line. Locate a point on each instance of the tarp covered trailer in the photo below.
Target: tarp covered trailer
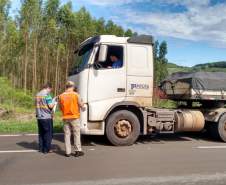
{"x": 195, "y": 86}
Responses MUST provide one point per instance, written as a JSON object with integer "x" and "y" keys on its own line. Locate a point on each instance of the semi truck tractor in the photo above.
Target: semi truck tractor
{"x": 119, "y": 98}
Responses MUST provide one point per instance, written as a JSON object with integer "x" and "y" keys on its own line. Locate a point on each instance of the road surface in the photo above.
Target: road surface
{"x": 182, "y": 159}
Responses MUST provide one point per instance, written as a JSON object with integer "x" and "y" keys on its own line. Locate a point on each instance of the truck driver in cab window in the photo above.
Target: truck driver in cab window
{"x": 114, "y": 58}
{"x": 116, "y": 63}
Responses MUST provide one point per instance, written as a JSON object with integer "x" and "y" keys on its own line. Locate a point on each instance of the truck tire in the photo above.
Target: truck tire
{"x": 218, "y": 130}
{"x": 122, "y": 128}
{"x": 222, "y": 128}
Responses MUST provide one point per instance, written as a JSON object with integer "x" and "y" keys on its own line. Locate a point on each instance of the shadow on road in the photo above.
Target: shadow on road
{"x": 88, "y": 140}
{"x": 180, "y": 137}
{"x": 29, "y": 145}
{"x": 34, "y": 146}
{"x": 153, "y": 139}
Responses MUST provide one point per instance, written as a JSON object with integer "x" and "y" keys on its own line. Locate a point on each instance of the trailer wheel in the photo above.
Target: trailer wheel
{"x": 218, "y": 130}
{"x": 222, "y": 128}
{"x": 122, "y": 128}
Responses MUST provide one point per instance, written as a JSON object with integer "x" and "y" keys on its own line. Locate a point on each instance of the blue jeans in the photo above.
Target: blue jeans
{"x": 45, "y": 134}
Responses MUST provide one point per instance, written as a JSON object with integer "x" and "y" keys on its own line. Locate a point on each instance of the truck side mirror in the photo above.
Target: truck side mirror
{"x": 103, "y": 53}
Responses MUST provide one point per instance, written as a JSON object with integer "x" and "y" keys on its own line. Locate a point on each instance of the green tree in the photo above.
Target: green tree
{"x": 11, "y": 52}
{"x": 100, "y": 26}
{"x": 128, "y": 33}
{"x": 4, "y": 8}
{"x": 112, "y": 29}
{"x": 67, "y": 35}
{"x": 160, "y": 61}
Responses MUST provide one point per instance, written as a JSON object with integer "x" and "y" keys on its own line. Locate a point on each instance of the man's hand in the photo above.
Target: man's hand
{"x": 83, "y": 108}
{"x": 81, "y": 104}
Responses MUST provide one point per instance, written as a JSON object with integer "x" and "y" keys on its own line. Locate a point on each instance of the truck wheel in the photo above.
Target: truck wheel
{"x": 122, "y": 128}
{"x": 218, "y": 130}
{"x": 222, "y": 128}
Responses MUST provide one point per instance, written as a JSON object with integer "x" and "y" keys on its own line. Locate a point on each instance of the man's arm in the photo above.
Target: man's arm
{"x": 49, "y": 101}
{"x": 80, "y": 102}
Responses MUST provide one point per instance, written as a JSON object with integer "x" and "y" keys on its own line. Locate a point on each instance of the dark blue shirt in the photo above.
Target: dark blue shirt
{"x": 117, "y": 64}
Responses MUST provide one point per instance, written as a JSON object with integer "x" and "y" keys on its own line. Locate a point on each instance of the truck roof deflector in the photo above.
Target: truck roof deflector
{"x": 141, "y": 39}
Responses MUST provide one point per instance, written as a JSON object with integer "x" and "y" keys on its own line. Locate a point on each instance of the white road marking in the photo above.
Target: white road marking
{"x": 211, "y": 147}
{"x": 17, "y": 151}
{"x": 18, "y": 135}
{"x": 218, "y": 178}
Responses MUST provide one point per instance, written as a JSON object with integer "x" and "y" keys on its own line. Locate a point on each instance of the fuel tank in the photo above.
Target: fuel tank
{"x": 189, "y": 120}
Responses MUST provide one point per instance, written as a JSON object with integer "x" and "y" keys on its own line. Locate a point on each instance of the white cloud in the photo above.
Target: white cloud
{"x": 188, "y": 3}
{"x": 111, "y": 2}
{"x": 200, "y": 22}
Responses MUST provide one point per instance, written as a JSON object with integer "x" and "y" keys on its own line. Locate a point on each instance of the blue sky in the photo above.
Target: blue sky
{"x": 195, "y": 30}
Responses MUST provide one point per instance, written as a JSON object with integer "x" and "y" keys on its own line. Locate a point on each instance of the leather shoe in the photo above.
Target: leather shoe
{"x": 67, "y": 155}
{"x": 79, "y": 153}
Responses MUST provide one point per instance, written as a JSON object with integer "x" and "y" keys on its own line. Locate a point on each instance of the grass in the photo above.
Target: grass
{"x": 14, "y": 98}
{"x": 18, "y": 105}
{"x": 17, "y": 127}
{"x": 164, "y": 104}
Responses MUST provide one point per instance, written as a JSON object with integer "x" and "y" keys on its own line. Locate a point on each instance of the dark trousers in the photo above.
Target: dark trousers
{"x": 45, "y": 134}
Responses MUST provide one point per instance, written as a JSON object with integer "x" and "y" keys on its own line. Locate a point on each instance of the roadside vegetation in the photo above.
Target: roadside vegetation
{"x": 12, "y": 126}
{"x": 17, "y": 111}
{"x": 208, "y": 67}
{"x": 14, "y": 99}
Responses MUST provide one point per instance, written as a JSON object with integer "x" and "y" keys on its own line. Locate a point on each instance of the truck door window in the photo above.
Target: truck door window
{"x": 114, "y": 58}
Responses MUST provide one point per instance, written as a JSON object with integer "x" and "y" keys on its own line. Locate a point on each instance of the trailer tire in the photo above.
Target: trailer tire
{"x": 212, "y": 130}
{"x": 122, "y": 128}
{"x": 221, "y": 126}
{"x": 218, "y": 130}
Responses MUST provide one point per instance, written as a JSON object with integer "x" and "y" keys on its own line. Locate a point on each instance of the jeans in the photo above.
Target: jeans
{"x": 45, "y": 134}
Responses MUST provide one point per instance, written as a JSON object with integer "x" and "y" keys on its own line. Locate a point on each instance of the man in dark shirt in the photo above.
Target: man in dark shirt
{"x": 116, "y": 63}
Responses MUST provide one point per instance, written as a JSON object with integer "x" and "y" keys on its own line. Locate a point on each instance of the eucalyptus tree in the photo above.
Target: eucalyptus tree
{"x": 51, "y": 40}
{"x": 4, "y": 9}
{"x": 67, "y": 32}
{"x": 38, "y": 45}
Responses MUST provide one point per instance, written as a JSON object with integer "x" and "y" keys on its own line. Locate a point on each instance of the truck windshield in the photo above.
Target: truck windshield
{"x": 81, "y": 60}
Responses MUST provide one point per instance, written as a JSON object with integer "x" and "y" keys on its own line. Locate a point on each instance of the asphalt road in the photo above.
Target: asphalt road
{"x": 184, "y": 159}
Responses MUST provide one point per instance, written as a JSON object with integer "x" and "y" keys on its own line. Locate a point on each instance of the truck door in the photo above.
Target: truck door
{"x": 140, "y": 74}
{"x": 107, "y": 82}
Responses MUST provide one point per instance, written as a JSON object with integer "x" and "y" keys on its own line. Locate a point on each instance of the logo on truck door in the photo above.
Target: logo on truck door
{"x": 139, "y": 86}
{"x": 134, "y": 87}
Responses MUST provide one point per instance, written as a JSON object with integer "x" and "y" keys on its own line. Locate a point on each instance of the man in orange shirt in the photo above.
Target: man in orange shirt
{"x": 70, "y": 104}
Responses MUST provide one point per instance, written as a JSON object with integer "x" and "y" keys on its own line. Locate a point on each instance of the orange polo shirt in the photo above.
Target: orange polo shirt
{"x": 69, "y": 105}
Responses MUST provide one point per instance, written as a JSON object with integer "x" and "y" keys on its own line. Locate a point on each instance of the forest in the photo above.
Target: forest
{"x": 37, "y": 44}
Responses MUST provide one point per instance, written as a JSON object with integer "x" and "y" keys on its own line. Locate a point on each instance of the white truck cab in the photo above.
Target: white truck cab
{"x": 116, "y": 97}
{"x": 104, "y": 88}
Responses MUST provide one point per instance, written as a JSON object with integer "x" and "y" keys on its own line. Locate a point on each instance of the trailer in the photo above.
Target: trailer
{"x": 119, "y": 100}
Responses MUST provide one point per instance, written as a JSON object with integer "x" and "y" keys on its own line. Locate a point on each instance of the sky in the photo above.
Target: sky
{"x": 195, "y": 30}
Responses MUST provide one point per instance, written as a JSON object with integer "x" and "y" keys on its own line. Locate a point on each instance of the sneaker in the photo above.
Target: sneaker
{"x": 50, "y": 151}
{"x": 67, "y": 155}
{"x": 79, "y": 153}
